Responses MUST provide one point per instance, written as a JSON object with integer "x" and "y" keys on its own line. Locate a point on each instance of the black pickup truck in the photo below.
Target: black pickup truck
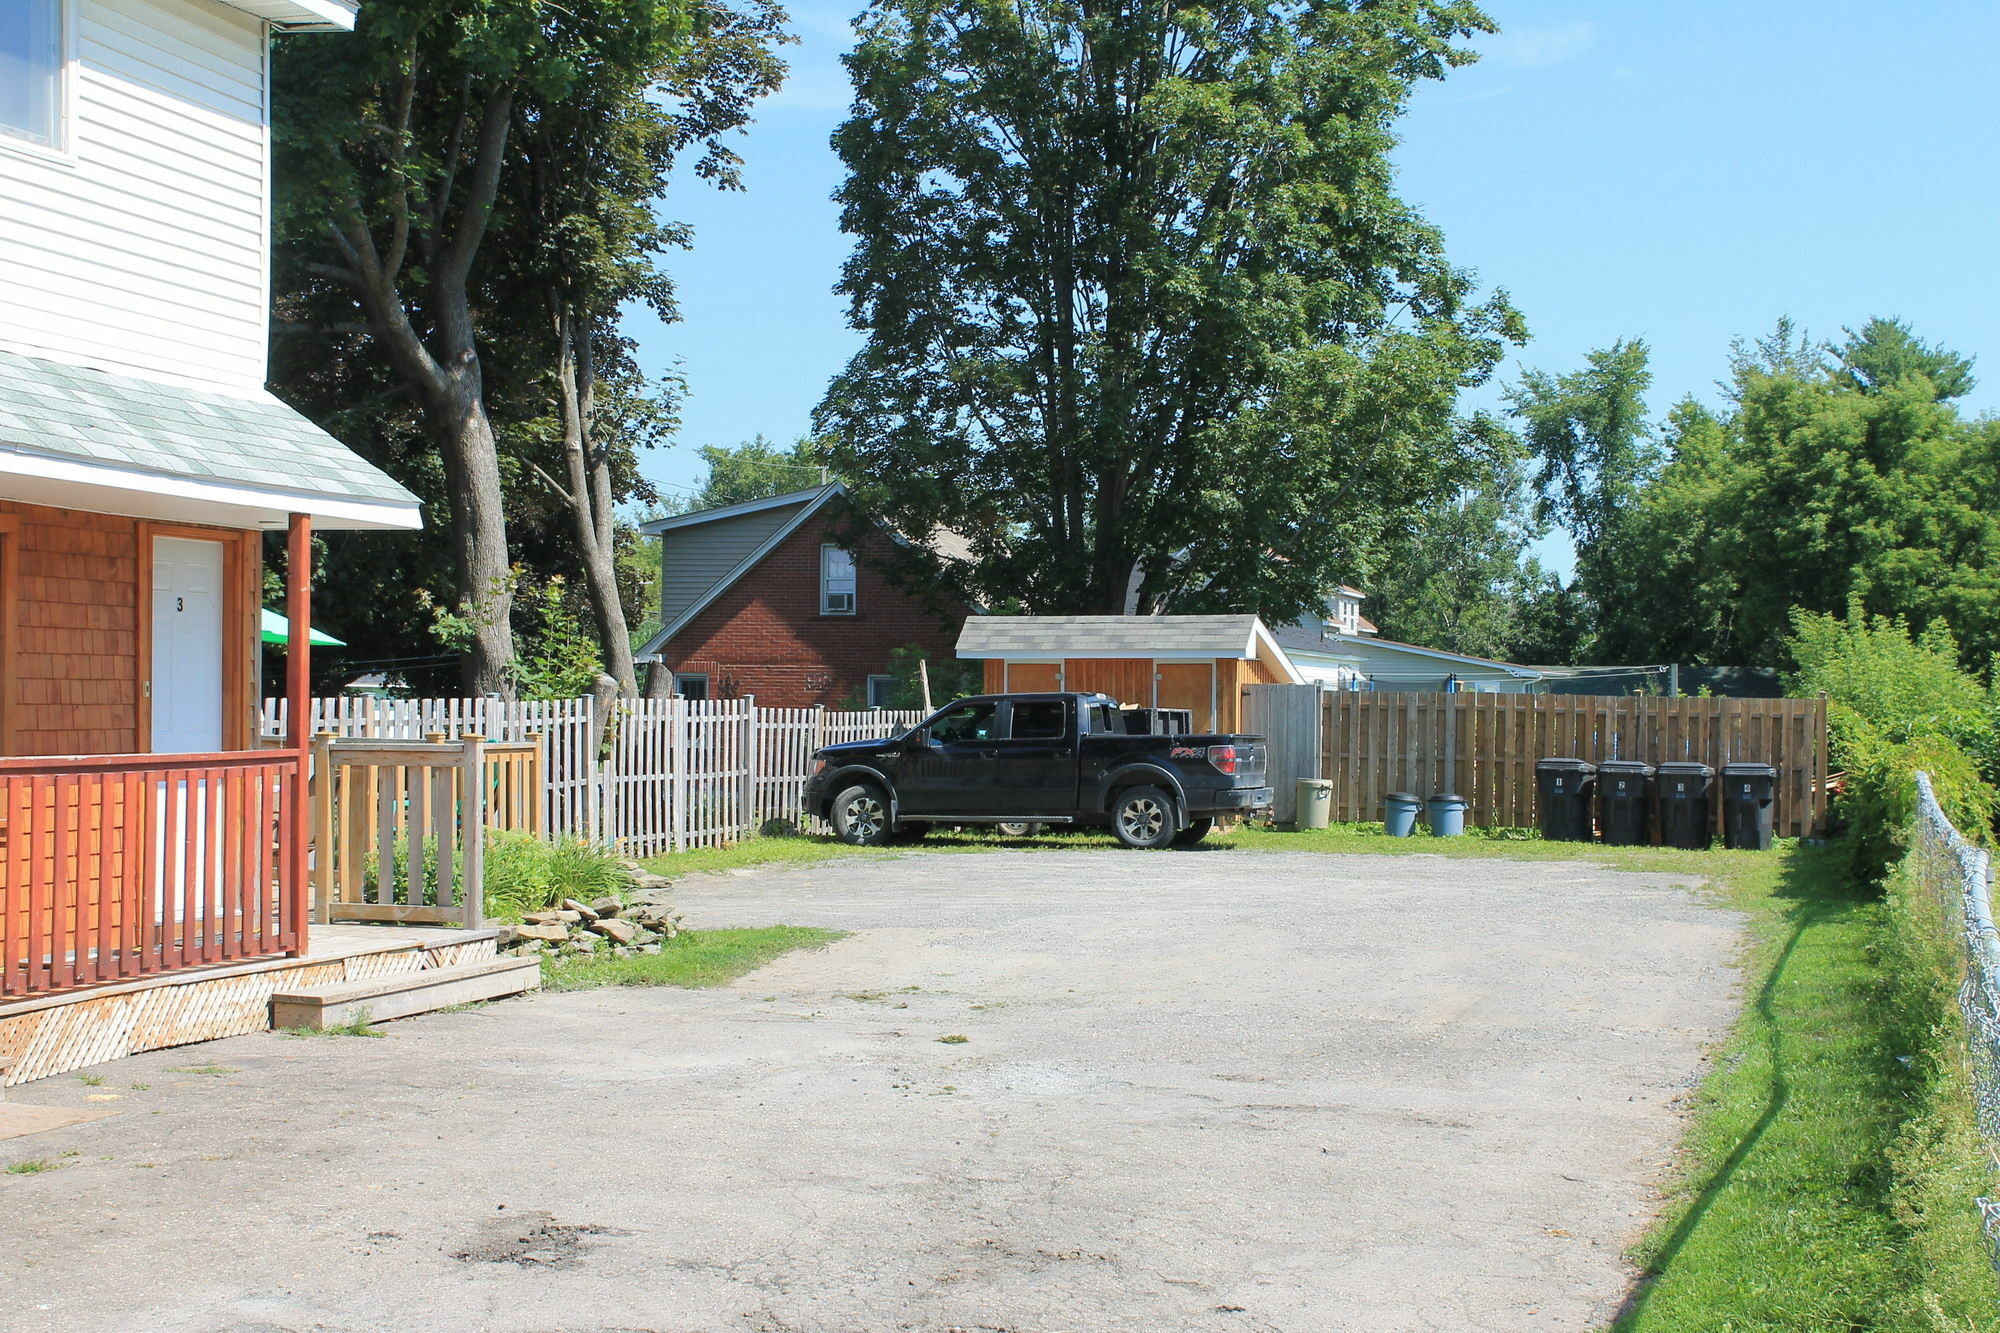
{"x": 1037, "y": 758}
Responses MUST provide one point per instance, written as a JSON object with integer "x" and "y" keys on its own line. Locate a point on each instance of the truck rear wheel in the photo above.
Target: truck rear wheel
{"x": 1193, "y": 833}
{"x": 861, "y": 815}
{"x": 1143, "y": 817}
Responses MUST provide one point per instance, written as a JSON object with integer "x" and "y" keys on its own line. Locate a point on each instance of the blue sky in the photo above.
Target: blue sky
{"x": 1683, "y": 173}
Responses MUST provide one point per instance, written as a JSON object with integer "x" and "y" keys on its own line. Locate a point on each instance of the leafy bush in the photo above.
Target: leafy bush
{"x": 526, "y": 874}
{"x": 1898, "y": 704}
{"x": 523, "y": 873}
{"x": 1938, "y": 1162}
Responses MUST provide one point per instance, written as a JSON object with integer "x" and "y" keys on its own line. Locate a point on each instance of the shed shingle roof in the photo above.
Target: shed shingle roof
{"x": 1108, "y": 636}
{"x": 169, "y": 430}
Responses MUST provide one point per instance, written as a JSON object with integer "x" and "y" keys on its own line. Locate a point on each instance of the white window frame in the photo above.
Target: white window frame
{"x": 826, "y": 592}
{"x": 887, "y": 683}
{"x": 701, "y": 676}
{"x": 63, "y": 150}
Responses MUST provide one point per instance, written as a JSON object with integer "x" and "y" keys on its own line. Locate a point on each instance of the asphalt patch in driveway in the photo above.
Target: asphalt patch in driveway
{"x": 537, "y": 1244}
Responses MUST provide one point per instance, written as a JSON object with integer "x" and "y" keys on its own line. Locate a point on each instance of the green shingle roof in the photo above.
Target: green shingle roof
{"x": 94, "y": 416}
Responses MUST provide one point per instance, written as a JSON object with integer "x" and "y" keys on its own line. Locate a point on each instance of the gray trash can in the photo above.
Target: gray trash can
{"x": 1684, "y": 791}
{"x": 1315, "y": 803}
{"x": 1749, "y": 797}
{"x": 1446, "y": 812}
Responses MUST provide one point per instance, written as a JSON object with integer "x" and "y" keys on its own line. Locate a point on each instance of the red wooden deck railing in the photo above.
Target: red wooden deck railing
{"x": 121, "y": 866}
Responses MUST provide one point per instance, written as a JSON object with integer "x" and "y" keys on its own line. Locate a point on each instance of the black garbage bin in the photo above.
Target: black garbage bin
{"x": 1684, "y": 791}
{"x": 1565, "y": 788}
{"x": 1624, "y": 802}
{"x": 1749, "y": 793}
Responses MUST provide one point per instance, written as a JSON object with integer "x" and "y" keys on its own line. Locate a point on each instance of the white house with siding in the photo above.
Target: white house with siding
{"x": 135, "y": 207}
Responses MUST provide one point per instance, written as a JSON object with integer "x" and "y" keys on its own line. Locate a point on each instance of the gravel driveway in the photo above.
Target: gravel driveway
{"x": 1224, "y": 1090}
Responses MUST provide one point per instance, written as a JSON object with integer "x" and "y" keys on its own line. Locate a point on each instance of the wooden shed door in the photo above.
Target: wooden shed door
{"x": 1189, "y": 685}
{"x": 1033, "y": 677}
{"x": 187, "y": 646}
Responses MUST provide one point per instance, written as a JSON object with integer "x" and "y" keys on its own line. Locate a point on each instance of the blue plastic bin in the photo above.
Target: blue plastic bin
{"x": 1400, "y": 813}
{"x": 1446, "y": 811}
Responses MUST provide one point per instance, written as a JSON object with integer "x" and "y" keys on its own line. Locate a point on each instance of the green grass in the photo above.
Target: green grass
{"x": 361, "y": 1025}
{"x": 1780, "y": 1215}
{"x": 34, "y": 1166}
{"x": 694, "y": 958}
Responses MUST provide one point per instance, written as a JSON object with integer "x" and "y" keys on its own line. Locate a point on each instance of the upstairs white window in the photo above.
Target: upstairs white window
{"x": 836, "y": 578}
{"x": 32, "y": 45}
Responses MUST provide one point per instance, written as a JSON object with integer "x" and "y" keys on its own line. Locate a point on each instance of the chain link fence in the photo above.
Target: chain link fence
{"x": 1955, "y": 869}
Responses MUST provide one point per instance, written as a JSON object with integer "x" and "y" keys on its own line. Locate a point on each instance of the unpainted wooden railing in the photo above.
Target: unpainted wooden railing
{"x": 398, "y": 826}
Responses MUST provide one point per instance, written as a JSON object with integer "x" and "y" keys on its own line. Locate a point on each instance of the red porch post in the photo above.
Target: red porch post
{"x": 298, "y": 700}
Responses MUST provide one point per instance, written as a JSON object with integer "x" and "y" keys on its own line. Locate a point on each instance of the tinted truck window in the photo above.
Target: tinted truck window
{"x": 973, "y": 722}
{"x": 1039, "y": 720}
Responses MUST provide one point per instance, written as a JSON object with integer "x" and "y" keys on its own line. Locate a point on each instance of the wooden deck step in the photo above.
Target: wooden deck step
{"x": 405, "y": 994}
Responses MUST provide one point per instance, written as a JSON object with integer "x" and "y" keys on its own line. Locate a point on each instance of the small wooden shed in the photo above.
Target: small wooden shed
{"x": 1200, "y": 663}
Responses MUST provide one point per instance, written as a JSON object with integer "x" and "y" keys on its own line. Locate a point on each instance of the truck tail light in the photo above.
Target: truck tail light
{"x": 1223, "y": 757}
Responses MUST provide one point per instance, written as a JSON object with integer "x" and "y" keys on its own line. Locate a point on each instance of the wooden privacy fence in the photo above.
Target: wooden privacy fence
{"x": 1484, "y": 746}
{"x": 655, "y": 775}
{"x": 394, "y": 823}
{"x": 126, "y": 865}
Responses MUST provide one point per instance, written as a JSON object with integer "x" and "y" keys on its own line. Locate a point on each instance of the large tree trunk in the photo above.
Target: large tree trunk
{"x": 443, "y": 370}
{"x": 479, "y": 529}
{"x": 588, "y": 496}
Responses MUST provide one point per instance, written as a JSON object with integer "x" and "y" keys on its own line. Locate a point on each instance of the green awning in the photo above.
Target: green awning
{"x": 278, "y": 630}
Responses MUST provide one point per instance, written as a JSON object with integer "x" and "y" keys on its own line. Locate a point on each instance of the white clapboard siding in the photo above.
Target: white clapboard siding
{"x": 658, "y": 776}
{"x": 142, "y": 249}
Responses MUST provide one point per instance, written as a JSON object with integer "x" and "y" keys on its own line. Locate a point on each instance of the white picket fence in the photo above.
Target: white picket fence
{"x": 662, "y": 775}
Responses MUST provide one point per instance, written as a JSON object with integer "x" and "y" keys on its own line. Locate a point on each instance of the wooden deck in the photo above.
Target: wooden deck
{"x": 53, "y": 1034}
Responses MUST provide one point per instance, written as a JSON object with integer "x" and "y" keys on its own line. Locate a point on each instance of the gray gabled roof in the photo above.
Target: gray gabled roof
{"x": 118, "y": 424}
{"x": 702, "y": 554}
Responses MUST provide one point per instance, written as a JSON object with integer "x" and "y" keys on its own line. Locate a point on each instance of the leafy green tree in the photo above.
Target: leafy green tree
{"x": 1141, "y": 302}
{"x": 757, "y": 469}
{"x": 467, "y": 203}
{"x": 1462, "y": 579}
{"x": 1885, "y": 353}
{"x": 1832, "y": 474}
{"x": 1587, "y": 434}
{"x": 393, "y": 147}
{"x": 583, "y": 238}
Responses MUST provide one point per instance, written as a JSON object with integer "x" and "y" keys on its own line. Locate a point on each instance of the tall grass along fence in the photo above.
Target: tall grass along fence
{"x": 1959, "y": 877}
{"x": 1483, "y": 747}
{"x": 649, "y": 776}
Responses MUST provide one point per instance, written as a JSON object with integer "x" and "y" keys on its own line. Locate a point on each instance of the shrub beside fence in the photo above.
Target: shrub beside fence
{"x": 1949, "y": 888}
{"x": 653, "y": 776}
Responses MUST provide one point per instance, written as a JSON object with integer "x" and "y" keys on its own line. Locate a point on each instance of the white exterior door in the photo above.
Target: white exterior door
{"x": 187, "y": 646}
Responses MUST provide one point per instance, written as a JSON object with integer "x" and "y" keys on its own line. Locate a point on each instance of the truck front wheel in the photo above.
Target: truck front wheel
{"x": 861, "y": 815}
{"x": 1143, "y": 817}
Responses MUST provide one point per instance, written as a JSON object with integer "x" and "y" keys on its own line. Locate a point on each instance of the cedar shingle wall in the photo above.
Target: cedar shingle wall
{"x": 76, "y": 578}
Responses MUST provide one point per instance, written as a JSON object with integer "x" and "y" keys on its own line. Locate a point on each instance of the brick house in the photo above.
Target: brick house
{"x": 764, "y": 598}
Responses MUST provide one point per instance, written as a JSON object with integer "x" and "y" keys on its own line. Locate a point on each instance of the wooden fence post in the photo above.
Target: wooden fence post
{"x": 472, "y": 825}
